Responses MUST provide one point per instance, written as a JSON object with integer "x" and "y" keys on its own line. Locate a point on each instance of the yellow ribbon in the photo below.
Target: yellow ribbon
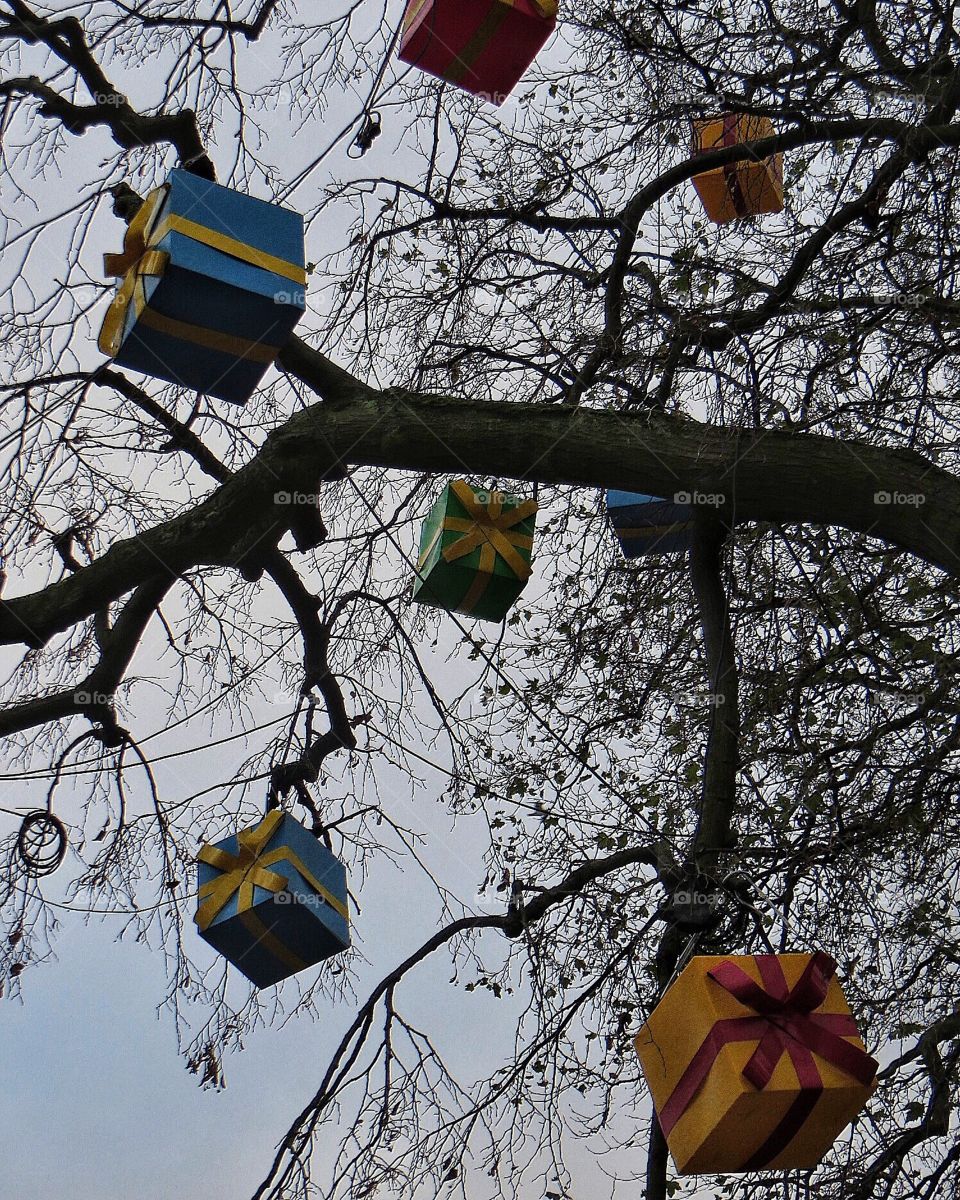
{"x": 248, "y": 869}
{"x": 139, "y": 259}
{"x": 136, "y": 261}
{"x": 490, "y": 527}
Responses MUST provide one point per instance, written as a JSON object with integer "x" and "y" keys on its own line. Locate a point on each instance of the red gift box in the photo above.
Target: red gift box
{"x": 483, "y": 46}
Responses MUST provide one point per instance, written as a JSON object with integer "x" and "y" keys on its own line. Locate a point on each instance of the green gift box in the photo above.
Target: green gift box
{"x": 475, "y": 551}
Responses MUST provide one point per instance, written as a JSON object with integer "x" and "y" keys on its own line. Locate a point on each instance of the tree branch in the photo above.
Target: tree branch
{"x": 763, "y": 476}
{"x": 93, "y": 696}
{"x": 347, "y": 1052}
{"x": 130, "y": 129}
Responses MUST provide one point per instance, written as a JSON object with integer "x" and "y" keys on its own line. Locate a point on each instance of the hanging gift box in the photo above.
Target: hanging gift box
{"x": 742, "y": 188}
{"x": 272, "y": 899}
{"x": 483, "y": 46}
{"x": 475, "y": 551}
{"x": 648, "y": 524}
{"x": 754, "y": 1063}
{"x": 211, "y": 284}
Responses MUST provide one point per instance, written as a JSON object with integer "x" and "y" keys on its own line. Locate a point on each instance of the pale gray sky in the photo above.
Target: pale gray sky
{"x": 97, "y": 1103}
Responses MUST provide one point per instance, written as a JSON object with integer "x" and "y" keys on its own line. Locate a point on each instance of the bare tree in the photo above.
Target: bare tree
{"x": 534, "y": 299}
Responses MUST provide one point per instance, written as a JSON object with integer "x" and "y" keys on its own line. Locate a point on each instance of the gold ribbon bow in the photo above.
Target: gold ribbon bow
{"x": 248, "y": 869}
{"x": 490, "y": 527}
{"x": 139, "y": 259}
{"x": 136, "y": 261}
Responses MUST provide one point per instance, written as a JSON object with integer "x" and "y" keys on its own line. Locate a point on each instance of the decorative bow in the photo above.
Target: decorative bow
{"x": 490, "y": 527}
{"x": 249, "y": 869}
{"x": 136, "y": 261}
{"x": 731, "y": 171}
{"x": 788, "y": 1025}
{"x": 791, "y": 1029}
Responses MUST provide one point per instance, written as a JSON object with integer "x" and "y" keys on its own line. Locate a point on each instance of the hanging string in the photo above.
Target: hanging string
{"x": 42, "y": 838}
{"x": 370, "y": 120}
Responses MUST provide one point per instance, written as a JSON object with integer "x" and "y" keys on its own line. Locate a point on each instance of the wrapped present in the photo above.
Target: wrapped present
{"x": 648, "y": 524}
{"x": 475, "y": 551}
{"x": 272, "y": 899}
{"x": 754, "y": 1062}
{"x": 211, "y": 284}
{"x": 742, "y": 188}
{"x": 483, "y": 46}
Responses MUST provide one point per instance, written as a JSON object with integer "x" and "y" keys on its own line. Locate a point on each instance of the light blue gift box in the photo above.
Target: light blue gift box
{"x": 272, "y": 899}
{"x": 649, "y": 524}
{"x": 213, "y": 282}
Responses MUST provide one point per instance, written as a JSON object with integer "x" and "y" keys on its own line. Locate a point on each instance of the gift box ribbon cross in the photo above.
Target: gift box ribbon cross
{"x": 731, "y": 171}
{"x": 787, "y": 1024}
{"x": 249, "y": 868}
{"x": 140, "y": 259}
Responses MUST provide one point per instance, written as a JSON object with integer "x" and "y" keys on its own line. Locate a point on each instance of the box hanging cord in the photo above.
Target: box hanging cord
{"x": 371, "y": 123}
{"x": 41, "y": 843}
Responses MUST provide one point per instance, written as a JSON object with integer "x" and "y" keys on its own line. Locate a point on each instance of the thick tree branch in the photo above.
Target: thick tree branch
{"x": 93, "y": 696}
{"x": 762, "y": 475}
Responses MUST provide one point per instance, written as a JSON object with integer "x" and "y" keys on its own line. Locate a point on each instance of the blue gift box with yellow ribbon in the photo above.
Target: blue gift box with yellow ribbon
{"x": 211, "y": 284}
{"x": 649, "y": 524}
{"x": 272, "y": 899}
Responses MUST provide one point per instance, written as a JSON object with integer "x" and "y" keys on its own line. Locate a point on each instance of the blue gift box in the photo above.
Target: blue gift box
{"x": 272, "y": 899}
{"x": 649, "y": 524}
{"x": 212, "y": 284}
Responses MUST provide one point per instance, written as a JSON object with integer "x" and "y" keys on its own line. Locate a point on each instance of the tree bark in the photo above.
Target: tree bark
{"x": 721, "y": 757}
{"x": 761, "y": 476}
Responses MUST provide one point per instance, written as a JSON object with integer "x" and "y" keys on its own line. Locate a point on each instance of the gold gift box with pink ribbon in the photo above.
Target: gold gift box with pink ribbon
{"x": 754, "y": 1062}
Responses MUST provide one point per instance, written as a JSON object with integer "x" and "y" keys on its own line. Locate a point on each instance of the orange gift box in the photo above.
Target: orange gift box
{"x": 742, "y": 188}
{"x": 754, "y": 1063}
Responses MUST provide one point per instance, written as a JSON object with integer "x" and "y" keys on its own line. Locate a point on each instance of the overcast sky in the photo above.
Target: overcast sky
{"x": 97, "y": 1103}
